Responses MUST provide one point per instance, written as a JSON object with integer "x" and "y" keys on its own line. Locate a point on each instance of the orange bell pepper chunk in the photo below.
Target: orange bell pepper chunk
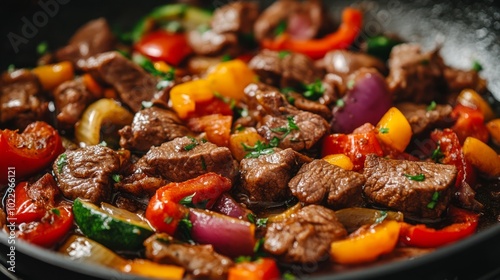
{"x": 230, "y": 78}
{"x": 52, "y": 75}
{"x": 394, "y": 130}
{"x": 367, "y": 245}
{"x": 340, "y": 160}
{"x": 482, "y": 156}
{"x": 184, "y": 96}
{"x": 261, "y": 269}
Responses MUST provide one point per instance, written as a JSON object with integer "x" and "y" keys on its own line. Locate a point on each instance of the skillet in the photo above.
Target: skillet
{"x": 467, "y": 31}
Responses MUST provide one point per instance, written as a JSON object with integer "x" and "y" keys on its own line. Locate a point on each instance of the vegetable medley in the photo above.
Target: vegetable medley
{"x": 244, "y": 142}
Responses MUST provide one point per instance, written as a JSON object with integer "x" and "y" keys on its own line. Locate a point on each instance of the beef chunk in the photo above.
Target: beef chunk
{"x": 459, "y": 80}
{"x": 344, "y": 63}
{"x": 185, "y": 158}
{"x": 20, "y": 99}
{"x": 422, "y": 119}
{"x": 284, "y": 69}
{"x": 388, "y": 183}
{"x": 319, "y": 180}
{"x": 93, "y": 38}
{"x": 44, "y": 192}
{"x": 151, "y": 127}
{"x": 209, "y": 42}
{"x": 304, "y": 104}
{"x": 86, "y": 173}
{"x": 416, "y": 76}
{"x": 71, "y": 98}
{"x": 277, "y": 119}
{"x": 140, "y": 182}
{"x": 235, "y": 17}
{"x": 133, "y": 84}
{"x": 306, "y": 236}
{"x": 200, "y": 261}
{"x": 304, "y": 20}
{"x": 265, "y": 178}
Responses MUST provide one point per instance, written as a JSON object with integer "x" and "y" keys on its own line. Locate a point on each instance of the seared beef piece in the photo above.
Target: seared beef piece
{"x": 306, "y": 236}
{"x": 21, "y": 102}
{"x": 294, "y": 128}
{"x": 415, "y": 76}
{"x": 334, "y": 89}
{"x": 388, "y": 183}
{"x": 265, "y": 178}
{"x": 151, "y": 127}
{"x": 130, "y": 204}
{"x": 71, "y": 98}
{"x": 86, "y": 173}
{"x": 133, "y": 84}
{"x": 344, "y": 63}
{"x": 208, "y": 42}
{"x": 93, "y": 38}
{"x": 44, "y": 192}
{"x": 459, "y": 80}
{"x": 422, "y": 119}
{"x": 200, "y": 261}
{"x": 304, "y": 20}
{"x": 284, "y": 69}
{"x": 319, "y": 180}
{"x": 235, "y": 17}
{"x": 304, "y": 104}
{"x": 185, "y": 158}
{"x": 140, "y": 182}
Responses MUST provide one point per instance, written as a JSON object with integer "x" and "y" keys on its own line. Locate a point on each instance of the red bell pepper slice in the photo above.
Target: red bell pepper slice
{"x": 161, "y": 45}
{"x": 346, "y": 34}
{"x": 30, "y": 151}
{"x": 464, "y": 224}
{"x": 469, "y": 122}
{"x": 450, "y": 147}
{"x": 164, "y": 210}
{"x": 355, "y": 145}
{"x": 261, "y": 269}
{"x": 50, "y": 229}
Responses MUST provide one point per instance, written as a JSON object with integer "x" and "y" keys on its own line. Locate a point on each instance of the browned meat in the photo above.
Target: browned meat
{"x": 306, "y": 236}
{"x": 304, "y": 104}
{"x": 344, "y": 62}
{"x": 278, "y": 119}
{"x": 422, "y": 119}
{"x": 284, "y": 69}
{"x": 265, "y": 178}
{"x": 185, "y": 158}
{"x": 319, "y": 180}
{"x": 44, "y": 192}
{"x": 93, "y": 38}
{"x": 235, "y": 17}
{"x": 141, "y": 182}
{"x": 71, "y": 99}
{"x": 133, "y": 84}
{"x": 303, "y": 20}
{"x": 200, "y": 261}
{"x": 151, "y": 127}
{"x": 87, "y": 173}
{"x": 129, "y": 203}
{"x": 390, "y": 183}
{"x": 459, "y": 80}
{"x": 415, "y": 76}
{"x": 20, "y": 99}
{"x": 209, "y": 42}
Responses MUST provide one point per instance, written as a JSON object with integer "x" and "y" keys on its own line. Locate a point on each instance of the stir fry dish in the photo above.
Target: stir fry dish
{"x": 245, "y": 142}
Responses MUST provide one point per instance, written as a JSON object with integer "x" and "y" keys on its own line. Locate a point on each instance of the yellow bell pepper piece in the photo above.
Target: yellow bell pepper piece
{"x": 52, "y": 75}
{"x": 481, "y": 156}
{"x": 493, "y": 127}
{"x": 470, "y": 98}
{"x": 151, "y": 269}
{"x": 394, "y": 130}
{"x": 184, "y": 96}
{"x": 366, "y": 246}
{"x": 230, "y": 78}
{"x": 246, "y": 137}
{"x": 340, "y": 160}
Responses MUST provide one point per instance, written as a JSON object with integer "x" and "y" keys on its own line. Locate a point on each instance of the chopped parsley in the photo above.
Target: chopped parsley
{"x": 314, "y": 90}
{"x": 384, "y": 130}
{"x": 116, "y": 177}
{"x": 288, "y": 276}
{"x": 340, "y": 103}
{"x": 281, "y": 28}
{"x": 56, "y": 211}
{"x": 192, "y": 145}
{"x": 434, "y": 200}
{"x": 476, "y": 66}
{"x": 42, "y": 48}
{"x": 103, "y": 144}
{"x": 350, "y": 84}
{"x": 185, "y": 226}
{"x": 291, "y": 126}
{"x": 168, "y": 220}
{"x": 283, "y": 54}
{"x": 437, "y": 155}
{"x": 203, "y": 163}
{"x": 261, "y": 222}
{"x": 225, "y": 58}
{"x": 381, "y": 218}
{"x": 61, "y": 162}
{"x": 260, "y": 149}
{"x": 11, "y": 68}
{"x": 258, "y": 249}
{"x": 188, "y": 200}
{"x": 147, "y": 65}
{"x": 419, "y": 177}
{"x": 431, "y": 106}
{"x": 241, "y": 259}
{"x": 174, "y": 26}
{"x": 163, "y": 84}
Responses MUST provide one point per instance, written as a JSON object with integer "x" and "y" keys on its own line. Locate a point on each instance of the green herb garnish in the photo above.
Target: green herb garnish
{"x": 384, "y": 130}
{"x": 288, "y": 276}
{"x": 188, "y": 200}
{"x": 203, "y": 163}
{"x": 340, "y": 103}
{"x": 116, "y": 177}
{"x": 431, "y": 106}
{"x": 283, "y": 54}
{"x": 314, "y": 90}
{"x": 419, "y": 177}
{"x": 225, "y": 58}
{"x": 185, "y": 226}
{"x": 56, "y": 211}
{"x": 42, "y": 48}
{"x": 383, "y": 215}
{"x": 241, "y": 259}
{"x": 61, "y": 162}
{"x": 476, "y": 66}
{"x": 434, "y": 200}
{"x": 437, "y": 154}
{"x": 168, "y": 220}
{"x": 191, "y": 146}
{"x": 281, "y": 28}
